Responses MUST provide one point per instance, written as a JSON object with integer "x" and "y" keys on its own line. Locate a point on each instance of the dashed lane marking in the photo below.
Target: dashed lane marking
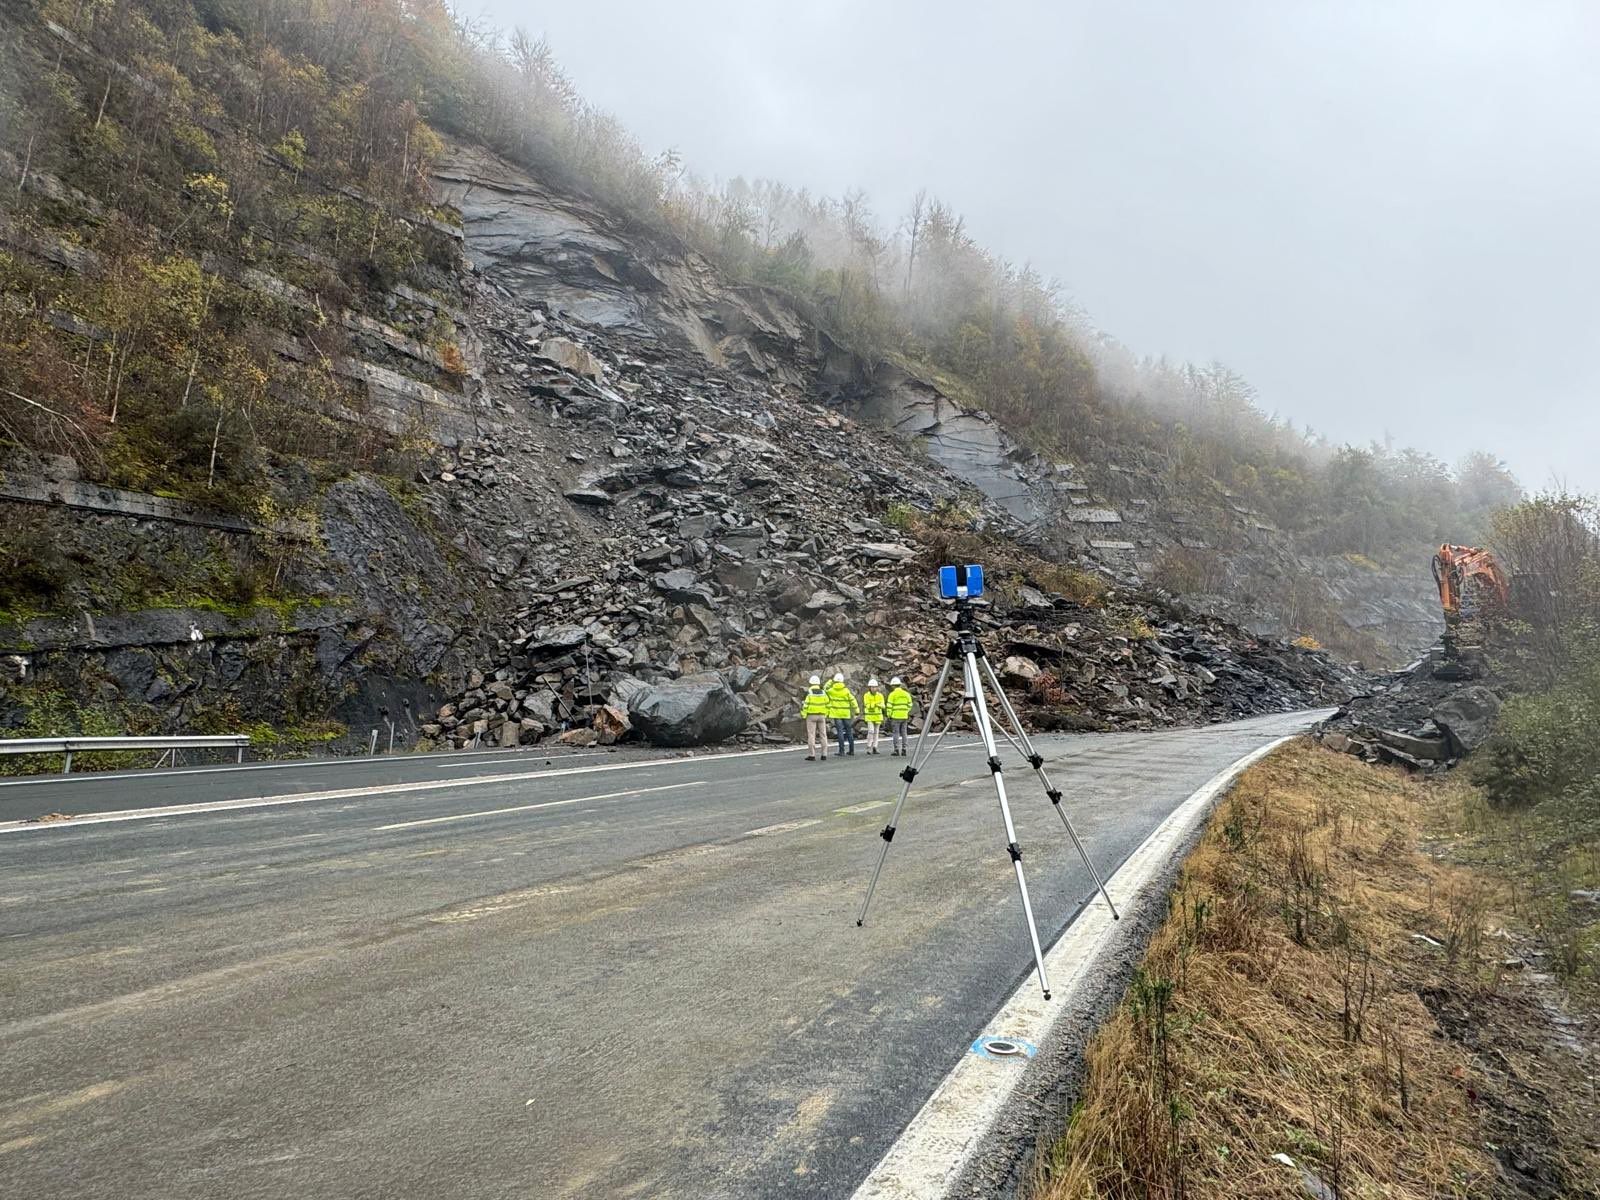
{"x": 783, "y": 827}
{"x": 496, "y": 812}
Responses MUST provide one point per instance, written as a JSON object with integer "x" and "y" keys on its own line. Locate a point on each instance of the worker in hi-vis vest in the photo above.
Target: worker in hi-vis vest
{"x": 897, "y": 707}
{"x": 814, "y": 708}
{"x": 872, "y": 714}
{"x": 842, "y": 710}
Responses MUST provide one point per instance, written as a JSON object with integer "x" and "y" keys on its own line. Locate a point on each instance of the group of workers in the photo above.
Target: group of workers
{"x": 836, "y": 705}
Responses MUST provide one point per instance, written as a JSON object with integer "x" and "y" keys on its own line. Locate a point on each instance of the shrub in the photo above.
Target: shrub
{"x": 1187, "y": 572}
{"x": 1085, "y": 587}
{"x": 901, "y": 516}
{"x": 1134, "y": 627}
{"x": 1544, "y": 744}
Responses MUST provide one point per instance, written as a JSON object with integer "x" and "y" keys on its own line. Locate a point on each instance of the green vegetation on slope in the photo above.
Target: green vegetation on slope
{"x": 1538, "y": 816}
{"x": 193, "y": 204}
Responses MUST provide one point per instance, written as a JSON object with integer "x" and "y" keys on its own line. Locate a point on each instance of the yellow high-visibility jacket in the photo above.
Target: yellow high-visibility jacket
{"x": 841, "y": 702}
{"x": 815, "y": 704}
{"x": 872, "y": 707}
{"x": 899, "y": 704}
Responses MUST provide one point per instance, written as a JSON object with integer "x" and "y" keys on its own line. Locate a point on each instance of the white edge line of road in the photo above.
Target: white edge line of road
{"x": 376, "y": 789}
{"x": 935, "y": 1148}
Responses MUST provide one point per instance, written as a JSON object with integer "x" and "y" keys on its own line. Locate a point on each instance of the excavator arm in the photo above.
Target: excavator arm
{"x": 1469, "y": 578}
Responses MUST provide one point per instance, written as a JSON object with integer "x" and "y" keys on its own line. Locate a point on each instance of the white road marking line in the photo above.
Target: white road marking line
{"x": 783, "y": 827}
{"x": 864, "y": 807}
{"x": 377, "y": 789}
{"x": 495, "y": 812}
{"x": 935, "y": 1148}
{"x": 439, "y": 758}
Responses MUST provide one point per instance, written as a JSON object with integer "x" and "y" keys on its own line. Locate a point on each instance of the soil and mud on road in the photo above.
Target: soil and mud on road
{"x": 1351, "y": 996}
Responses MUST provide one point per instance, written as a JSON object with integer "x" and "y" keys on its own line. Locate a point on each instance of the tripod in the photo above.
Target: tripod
{"x": 976, "y": 668}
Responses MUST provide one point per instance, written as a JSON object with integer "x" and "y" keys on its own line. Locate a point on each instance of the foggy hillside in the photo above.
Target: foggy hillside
{"x": 265, "y": 268}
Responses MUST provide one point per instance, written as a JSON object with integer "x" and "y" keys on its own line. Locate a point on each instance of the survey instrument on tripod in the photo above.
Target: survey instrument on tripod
{"x": 962, "y": 585}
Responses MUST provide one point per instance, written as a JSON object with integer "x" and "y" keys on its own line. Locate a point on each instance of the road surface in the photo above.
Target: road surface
{"x": 603, "y": 978}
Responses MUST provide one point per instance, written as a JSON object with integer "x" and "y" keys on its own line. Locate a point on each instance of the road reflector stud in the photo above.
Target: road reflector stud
{"x": 1003, "y": 1048}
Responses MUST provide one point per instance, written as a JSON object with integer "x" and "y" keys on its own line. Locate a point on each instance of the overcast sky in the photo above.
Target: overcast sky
{"x": 1386, "y": 214}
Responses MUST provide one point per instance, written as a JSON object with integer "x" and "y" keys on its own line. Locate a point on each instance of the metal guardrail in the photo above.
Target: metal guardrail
{"x": 68, "y": 746}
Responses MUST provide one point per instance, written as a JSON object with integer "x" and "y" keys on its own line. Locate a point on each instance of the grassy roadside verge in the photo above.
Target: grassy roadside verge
{"x": 1331, "y": 1011}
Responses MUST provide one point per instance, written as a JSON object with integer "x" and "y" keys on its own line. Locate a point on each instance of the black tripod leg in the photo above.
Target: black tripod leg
{"x": 909, "y": 774}
{"x": 1036, "y": 761}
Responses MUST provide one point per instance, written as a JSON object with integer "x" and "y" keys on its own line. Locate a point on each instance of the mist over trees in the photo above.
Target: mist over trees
{"x": 915, "y": 285}
{"x": 350, "y": 92}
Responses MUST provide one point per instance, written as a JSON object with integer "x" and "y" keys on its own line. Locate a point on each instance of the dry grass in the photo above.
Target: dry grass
{"x": 1547, "y": 857}
{"x": 1279, "y": 1009}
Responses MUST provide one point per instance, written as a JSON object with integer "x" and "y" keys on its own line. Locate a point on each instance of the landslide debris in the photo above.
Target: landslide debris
{"x": 1427, "y": 716}
{"x": 684, "y": 540}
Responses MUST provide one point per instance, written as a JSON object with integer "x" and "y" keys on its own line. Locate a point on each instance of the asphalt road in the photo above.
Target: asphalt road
{"x": 605, "y": 977}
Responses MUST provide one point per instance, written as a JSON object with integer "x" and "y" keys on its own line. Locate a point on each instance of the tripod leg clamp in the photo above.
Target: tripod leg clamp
{"x": 994, "y": 764}
{"x": 1015, "y": 851}
{"x": 909, "y": 774}
{"x": 1036, "y": 760}
{"x": 1055, "y": 795}
{"x": 887, "y": 833}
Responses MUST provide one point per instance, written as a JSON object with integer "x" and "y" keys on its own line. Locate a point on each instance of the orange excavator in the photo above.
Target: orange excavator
{"x": 1471, "y": 584}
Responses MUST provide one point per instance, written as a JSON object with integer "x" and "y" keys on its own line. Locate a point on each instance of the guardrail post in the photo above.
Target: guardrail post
{"x": 66, "y": 766}
{"x": 240, "y": 757}
{"x": 373, "y": 748}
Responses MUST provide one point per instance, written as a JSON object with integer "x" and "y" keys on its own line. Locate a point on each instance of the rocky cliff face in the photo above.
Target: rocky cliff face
{"x": 642, "y": 474}
{"x": 1120, "y": 513}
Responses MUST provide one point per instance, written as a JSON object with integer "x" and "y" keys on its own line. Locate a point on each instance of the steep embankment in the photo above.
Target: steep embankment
{"x": 1120, "y": 513}
{"x": 292, "y": 452}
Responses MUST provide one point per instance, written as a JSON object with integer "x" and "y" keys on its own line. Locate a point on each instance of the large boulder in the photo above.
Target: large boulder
{"x": 822, "y": 600}
{"x": 611, "y": 724}
{"x": 884, "y": 551}
{"x": 694, "y": 711}
{"x": 1016, "y": 669}
{"x": 683, "y": 586}
{"x": 1467, "y": 718}
{"x": 566, "y": 353}
{"x": 791, "y": 596}
{"x": 624, "y": 690}
{"x": 549, "y": 640}
{"x": 1424, "y": 748}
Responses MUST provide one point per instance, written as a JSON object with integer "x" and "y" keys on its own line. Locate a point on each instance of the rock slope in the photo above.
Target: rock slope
{"x": 651, "y": 502}
{"x": 1118, "y": 510}
{"x": 661, "y": 519}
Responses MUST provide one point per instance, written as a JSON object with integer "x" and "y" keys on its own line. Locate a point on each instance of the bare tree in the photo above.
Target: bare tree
{"x": 915, "y": 220}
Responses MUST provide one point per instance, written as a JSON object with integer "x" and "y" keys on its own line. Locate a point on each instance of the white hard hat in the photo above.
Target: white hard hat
{"x": 838, "y": 676}
{"x": 872, "y": 683}
{"x": 895, "y": 682}
{"x": 816, "y": 681}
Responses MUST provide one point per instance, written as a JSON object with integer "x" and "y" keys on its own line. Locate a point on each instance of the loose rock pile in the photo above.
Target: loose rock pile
{"x": 1426, "y": 717}
{"x": 686, "y": 545}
